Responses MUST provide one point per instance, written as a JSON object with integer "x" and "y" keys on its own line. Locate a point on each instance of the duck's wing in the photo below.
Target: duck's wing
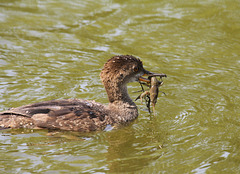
{"x": 68, "y": 114}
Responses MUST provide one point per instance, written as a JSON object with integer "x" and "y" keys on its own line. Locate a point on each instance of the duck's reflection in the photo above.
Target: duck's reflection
{"x": 133, "y": 148}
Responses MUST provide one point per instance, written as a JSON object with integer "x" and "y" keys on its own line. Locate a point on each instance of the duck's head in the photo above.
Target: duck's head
{"x": 123, "y": 69}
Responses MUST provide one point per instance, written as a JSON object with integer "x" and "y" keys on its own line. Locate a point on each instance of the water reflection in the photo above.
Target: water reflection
{"x": 129, "y": 151}
{"x": 56, "y": 49}
{"x": 124, "y": 150}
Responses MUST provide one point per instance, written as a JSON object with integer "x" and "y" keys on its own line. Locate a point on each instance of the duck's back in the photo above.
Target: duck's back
{"x": 68, "y": 114}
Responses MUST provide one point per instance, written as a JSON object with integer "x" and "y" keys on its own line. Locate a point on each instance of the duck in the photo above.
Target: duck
{"x": 84, "y": 115}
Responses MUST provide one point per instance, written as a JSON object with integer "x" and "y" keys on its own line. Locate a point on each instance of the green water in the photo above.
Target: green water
{"x": 56, "y": 49}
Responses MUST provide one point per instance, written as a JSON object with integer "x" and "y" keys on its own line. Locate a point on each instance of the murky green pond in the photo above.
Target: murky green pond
{"x": 55, "y": 49}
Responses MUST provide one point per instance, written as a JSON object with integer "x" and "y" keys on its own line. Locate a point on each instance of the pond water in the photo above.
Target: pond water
{"x": 55, "y": 49}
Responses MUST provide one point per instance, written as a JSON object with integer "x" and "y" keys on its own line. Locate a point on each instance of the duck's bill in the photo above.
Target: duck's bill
{"x": 150, "y": 74}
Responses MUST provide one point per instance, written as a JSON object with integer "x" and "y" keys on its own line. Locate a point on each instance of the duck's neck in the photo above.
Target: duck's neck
{"x": 121, "y": 106}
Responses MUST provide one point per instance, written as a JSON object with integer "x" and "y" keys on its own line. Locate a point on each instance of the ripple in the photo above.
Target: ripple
{"x": 56, "y": 49}
{"x": 3, "y": 17}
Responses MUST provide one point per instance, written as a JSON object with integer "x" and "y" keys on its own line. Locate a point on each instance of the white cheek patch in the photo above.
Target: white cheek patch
{"x": 135, "y": 78}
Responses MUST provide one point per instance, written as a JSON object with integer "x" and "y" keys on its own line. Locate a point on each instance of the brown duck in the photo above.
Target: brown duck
{"x": 84, "y": 115}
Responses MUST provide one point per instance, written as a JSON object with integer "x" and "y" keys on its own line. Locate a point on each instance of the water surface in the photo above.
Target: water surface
{"x": 56, "y": 49}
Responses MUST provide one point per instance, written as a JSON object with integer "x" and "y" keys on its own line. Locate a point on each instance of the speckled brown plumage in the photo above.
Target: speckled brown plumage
{"x": 70, "y": 114}
{"x": 83, "y": 115}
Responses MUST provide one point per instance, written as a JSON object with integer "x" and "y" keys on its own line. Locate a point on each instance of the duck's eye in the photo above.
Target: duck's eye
{"x": 136, "y": 69}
